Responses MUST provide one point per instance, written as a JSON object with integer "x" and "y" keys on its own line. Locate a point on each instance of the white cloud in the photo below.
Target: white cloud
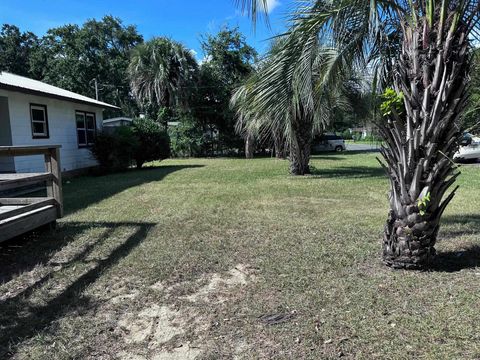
{"x": 271, "y": 5}
{"x": 194, "y": 53}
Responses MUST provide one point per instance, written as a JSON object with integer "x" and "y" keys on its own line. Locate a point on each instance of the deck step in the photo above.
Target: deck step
{"x": 25, "y": 222}
{"x": 10, "y": 208}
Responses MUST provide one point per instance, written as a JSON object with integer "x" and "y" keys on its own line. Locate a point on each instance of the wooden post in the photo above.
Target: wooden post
{"x": 48, "y": 169}
{"x": 56, "y": 170}
{"x": 54, "y": 186}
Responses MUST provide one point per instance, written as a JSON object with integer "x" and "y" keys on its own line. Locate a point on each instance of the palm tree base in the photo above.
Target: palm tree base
{"x": 408, "y": 245}
{"x": 299, "y": 169}
{"x": 420, "y": 261}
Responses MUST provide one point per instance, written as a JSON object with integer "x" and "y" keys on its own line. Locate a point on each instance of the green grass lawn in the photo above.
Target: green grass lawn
{"x": 233, "y": 258}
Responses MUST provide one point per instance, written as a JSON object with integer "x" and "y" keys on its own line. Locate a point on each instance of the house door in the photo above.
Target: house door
{"x": 6, "y": 163}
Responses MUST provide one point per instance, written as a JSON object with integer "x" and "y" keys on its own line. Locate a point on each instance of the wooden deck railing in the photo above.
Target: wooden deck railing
{"x": 19, "y": 215}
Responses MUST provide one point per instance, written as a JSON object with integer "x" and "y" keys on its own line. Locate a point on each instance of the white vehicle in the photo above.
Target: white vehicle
{"x": 469, "y": 148}
{"x": 328, "y": 142}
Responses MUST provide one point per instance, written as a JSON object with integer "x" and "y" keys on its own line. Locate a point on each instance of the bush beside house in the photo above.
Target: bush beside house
{"x": 144, "y": 141}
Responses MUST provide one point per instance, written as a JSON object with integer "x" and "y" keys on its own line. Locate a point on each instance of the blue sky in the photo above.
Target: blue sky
{"x": 183, "y": 20}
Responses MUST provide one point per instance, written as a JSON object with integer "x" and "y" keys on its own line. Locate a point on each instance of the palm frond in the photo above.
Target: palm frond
{"x": 254, "y": 8}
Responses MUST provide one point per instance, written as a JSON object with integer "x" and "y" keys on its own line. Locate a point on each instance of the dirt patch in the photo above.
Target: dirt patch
{"x": 217, "y": 286}
{"x": 181, "y": 353}
{"x": 178, "y": 331}
{"x": 157, "y": 324}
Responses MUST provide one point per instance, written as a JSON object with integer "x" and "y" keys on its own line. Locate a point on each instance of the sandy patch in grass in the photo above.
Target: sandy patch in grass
{"x": 217, "y": 285}
{"x": 179, "y": 332}
{"x": 156, "y": 324}
{"x": 181, "y": 353}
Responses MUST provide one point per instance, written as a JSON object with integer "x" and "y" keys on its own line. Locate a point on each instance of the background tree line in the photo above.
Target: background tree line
{"x": 74, "y": 57}
{"x": 196, "y": 97}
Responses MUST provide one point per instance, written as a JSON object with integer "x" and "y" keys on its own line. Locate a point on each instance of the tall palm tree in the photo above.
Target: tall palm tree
{"x": 161, "y": 72}
{"x": 422, "y": 48}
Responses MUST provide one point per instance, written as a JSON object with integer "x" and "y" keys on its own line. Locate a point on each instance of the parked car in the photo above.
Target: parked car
{"x": 469, "y": 148}
{"x": 328, "y": 142}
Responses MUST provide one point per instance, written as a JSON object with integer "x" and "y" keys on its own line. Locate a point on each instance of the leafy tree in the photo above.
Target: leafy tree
{"x": 228, "y": 62}
{"x": 16, "y": 49}
{"x": 73, "y": 57}
{"x": 471, "y": 119}
{"x": 229, "y": 55}
{"x": 162, "y": 72}
{"x": 423, "y": 48}
{"x": 362, "y": 113}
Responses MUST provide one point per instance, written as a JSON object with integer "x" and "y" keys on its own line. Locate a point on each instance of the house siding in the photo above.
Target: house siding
{"x": 62, "y": 130}
{"x": 6, "y": 162}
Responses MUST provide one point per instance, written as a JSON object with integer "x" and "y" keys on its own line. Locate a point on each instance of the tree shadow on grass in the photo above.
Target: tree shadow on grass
{"x": 453, "y": 261}
{"x": 87, "y": 190}
{"x": 466, "y": 257}
{"x": 327, "y": 156}
{"x": 361, "y": 152}
{"x": 348, "y": 172}
{"x": 453, "y": 226}
{"x": 332, "y": 155}
{"x": 37, "y": 316}
{"x": 23, "y": 253}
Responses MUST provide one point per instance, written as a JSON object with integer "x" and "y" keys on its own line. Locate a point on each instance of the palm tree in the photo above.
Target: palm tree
{"x": 161, "y": 72}
{"x": 289, "y": 101}
{"x": 422, "y": 48}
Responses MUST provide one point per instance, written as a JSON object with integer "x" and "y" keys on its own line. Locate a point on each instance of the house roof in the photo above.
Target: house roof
{"x": 22, "y": 84}
{"x": 121, "y": 118}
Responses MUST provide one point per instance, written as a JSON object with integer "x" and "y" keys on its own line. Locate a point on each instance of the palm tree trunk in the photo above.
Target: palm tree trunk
{"x": 300, "y": 146}
{"x": 279, "y": 144}
{"x": 421, "y": 137}
{"x": 249, "y": 145}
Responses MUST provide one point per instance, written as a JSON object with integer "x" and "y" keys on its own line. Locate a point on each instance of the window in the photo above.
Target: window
{"x": 333, "y": 137}
{"x": 86, "y": 128}
{"x": 39, "y": 118}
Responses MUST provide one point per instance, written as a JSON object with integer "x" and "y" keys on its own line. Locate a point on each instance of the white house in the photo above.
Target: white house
{"x": 35, "y": 113}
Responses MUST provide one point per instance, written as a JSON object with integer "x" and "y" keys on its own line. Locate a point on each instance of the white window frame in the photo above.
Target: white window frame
{"x": 44, "y": 122}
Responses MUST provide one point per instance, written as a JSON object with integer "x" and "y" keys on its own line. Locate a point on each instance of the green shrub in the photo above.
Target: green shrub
{"x": 153, "y": 141}
{"x": 187, "y": 138}
{"x": 347, "y": 135}
{"x": 102, "y": 150}
{"x": 144, "y": 141}
{"x": 372, "y": 138}
{"x": 114, "y": 152}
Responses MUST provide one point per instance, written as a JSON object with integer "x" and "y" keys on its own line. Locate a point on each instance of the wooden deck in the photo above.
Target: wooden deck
{"x": 13, "y": 181}
{"x": 7, "y": 208}
{"x": 21, "y": 215}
